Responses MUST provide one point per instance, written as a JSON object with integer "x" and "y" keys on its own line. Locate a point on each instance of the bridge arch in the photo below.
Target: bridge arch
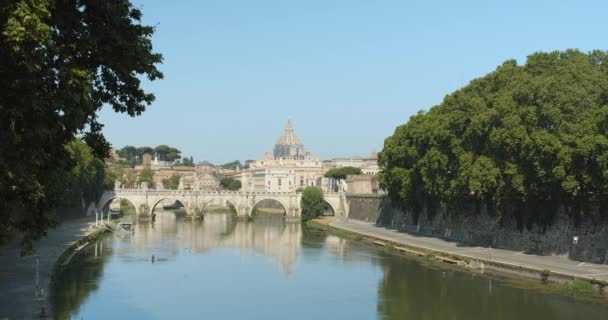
{"x": 331, "y": 207}
{"x": 204, "y": 204}
{"x": 105, "y": 203}
{"x": 175, "y": 199}
{"x": 257, "y": 201}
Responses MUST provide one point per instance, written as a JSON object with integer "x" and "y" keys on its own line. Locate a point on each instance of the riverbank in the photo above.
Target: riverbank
{"x": 556, "y": 269}
{"x": 18, "y": 298}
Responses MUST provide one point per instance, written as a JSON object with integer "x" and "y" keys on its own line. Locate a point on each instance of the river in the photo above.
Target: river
{"x": 269, "y": 268}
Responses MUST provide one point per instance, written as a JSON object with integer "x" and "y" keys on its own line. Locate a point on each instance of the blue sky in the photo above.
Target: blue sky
{"x": 347, "y": 72}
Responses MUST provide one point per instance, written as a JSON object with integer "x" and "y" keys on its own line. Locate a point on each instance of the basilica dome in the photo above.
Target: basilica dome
{"x": 289, "y": 137}
{"x": 289, "y": 144}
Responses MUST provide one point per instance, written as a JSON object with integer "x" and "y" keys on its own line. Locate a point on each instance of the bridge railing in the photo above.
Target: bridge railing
{"x": 196, "y": 192}
{"x": 207, "y": 193}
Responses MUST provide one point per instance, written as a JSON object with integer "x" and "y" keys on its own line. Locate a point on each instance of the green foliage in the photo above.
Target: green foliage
{"x": 388, "y": 248}
{"x": 232, "y": 165}
{"x": 544, "y": 276}
{"x": 60, "y": 62}
{"x": 167, "y": 153}
{"x": 126, "y": 176}
{"x": 171, "y": 183}
{"x": 522, "y": 140}
{"x": 147, "y": 175}
{"x": 313, "y": 203}
{"x": 230, "y": 183}
{"x": 341, "y": 173}
{"x": 188, "y": 162}
{"x": 88, "y": 179}
{"x": 578, "y": 286}
{"x": 430, "y": 259}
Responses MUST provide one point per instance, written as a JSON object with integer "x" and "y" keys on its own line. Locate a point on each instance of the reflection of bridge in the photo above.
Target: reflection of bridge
{"x": 195, "y": 202}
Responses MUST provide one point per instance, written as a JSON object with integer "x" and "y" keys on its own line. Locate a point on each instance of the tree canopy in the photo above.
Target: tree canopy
{"x": 171, "y": 183}
{"x": 341, "y": 173}
{"x": 134, "y": 155}
{"x": 60, "y": 62}
{"x": 232, "y": 165}
{"x": 522, "y": 140}
{"x": 230, "y": 183}
{"x": 313, "y": 203}
{"x": 167, "y": 153}
{"x": 146, "y": 175}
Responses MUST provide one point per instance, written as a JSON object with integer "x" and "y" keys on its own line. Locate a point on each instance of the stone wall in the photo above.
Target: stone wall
{"x": 483, "y": 229}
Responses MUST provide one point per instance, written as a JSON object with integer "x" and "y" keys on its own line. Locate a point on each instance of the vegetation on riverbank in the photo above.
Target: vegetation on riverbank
{"x": 313, "y": 203}
{"x": 588, "y": 290}
{"x": 314, "y": 224}
{"x": 60, "y": 63}
{"x": 522, "y": 140}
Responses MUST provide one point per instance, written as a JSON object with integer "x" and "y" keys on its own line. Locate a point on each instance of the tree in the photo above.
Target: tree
{"x": 232, "y": 165}
{"x": 171, "y": 183}
{"x": 522, "y": 140}
{"x": 167, "y": 153}
{"x": 143, "y": 150}
{"x": 129, "y": 153}
{"x": 313, "y": 203}
{"x": 248, "y": 163}
{"x": 88, "y": 178}
{"x": 189, "y": 162}
{"x": 146, "y": 175}
{"x": 230, "y": 183}
{"x": 341, "y": 173}
{"x": 60, "y": 62}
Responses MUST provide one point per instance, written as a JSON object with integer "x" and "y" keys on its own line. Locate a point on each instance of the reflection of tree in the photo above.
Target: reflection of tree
{"x": 73, "y": 285}
{"x": 410, "y": 290}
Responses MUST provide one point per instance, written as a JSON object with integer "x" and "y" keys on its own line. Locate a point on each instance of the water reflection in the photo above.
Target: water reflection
{"x": 267, "y": 235}
{"x": 221, "y": 268}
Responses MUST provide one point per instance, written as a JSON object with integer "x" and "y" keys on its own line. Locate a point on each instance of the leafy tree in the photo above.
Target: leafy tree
{"x": 521, "y": 140}
{"x": 60, "y": 62}
{"x": 129, "y": 180}
{"x": 144, "y": 150}
{"x": 313, "y": 203}
{"x": 88, "y": 178}
{"x": 341, "y": 173}
{"x": 248, "y": 164}
{"x": 232, "y": 165}
{"x": 129, "y": 153}
{"x": 172, "y": 182}
{"x": 167, "y": 153}
{"x": 230, "y": 183}
{"x": 146, "y": 175}
{"x": 189, "y": 162}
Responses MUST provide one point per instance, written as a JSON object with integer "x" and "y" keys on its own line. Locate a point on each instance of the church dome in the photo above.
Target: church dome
{"x": 289, "y": 137}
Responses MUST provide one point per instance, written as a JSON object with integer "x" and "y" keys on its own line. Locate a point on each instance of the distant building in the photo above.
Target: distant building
{"x": 363, "y": 184}
{"x": 146, "y": 160}
{"x": 367, "y": 165}
{"x": 286, "y": 169}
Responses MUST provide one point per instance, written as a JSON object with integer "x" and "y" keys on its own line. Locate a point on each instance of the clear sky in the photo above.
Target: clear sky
{"x": 347, "y": 72}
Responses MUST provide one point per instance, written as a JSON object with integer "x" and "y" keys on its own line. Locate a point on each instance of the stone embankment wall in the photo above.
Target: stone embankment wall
{"x": 482, "y": 229}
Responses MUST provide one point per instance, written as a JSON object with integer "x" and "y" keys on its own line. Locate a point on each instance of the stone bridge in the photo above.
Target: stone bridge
{"x": 195, "y": 202}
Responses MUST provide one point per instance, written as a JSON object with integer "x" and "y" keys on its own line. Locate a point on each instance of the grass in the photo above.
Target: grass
{"x": 388, "y": 248}
{"x": 575, "y": 286}
{"x": 430, "y": 259}
{"x": 316, "y": 225}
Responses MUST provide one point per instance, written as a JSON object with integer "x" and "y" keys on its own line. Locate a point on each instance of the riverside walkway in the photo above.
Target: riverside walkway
{"x": 18, "y": 274}
{"x": 559, "y": 264}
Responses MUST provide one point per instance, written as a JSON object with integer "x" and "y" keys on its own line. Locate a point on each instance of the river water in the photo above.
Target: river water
{"x": 221, "y": 268}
